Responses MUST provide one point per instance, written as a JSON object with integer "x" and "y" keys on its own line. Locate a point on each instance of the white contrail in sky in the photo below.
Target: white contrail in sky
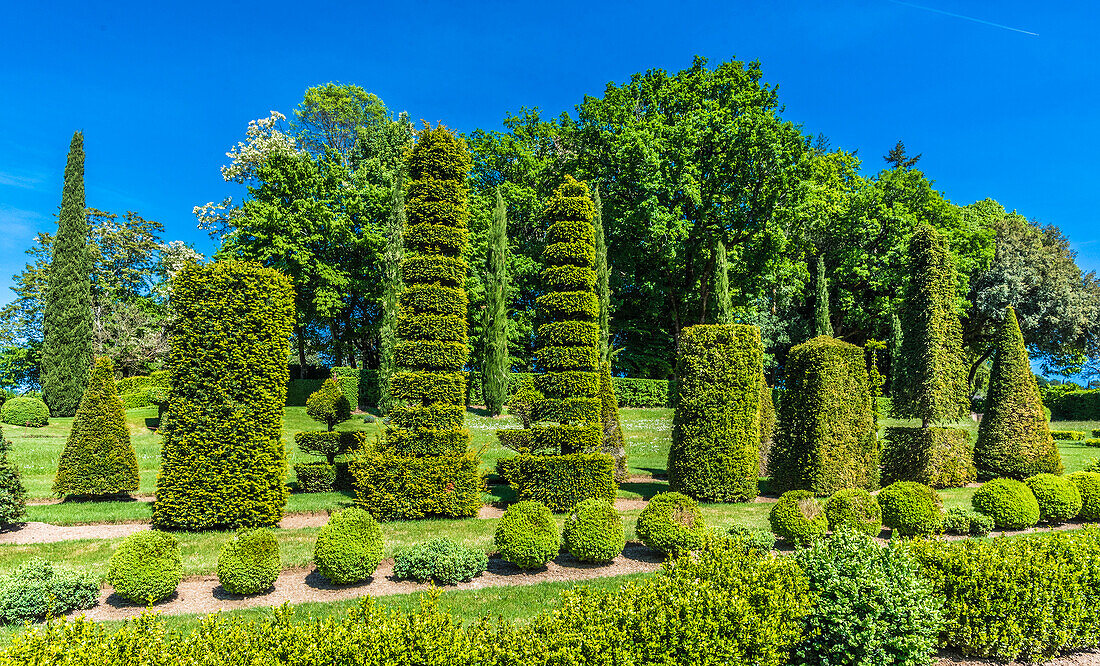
{"x": 965, "y": 18}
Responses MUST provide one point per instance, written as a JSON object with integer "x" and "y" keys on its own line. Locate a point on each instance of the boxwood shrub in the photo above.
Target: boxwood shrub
{"x": 854, "y": 509}
{"x": 440, "y": 560}
{"x": 594, "y": 532}
{"x": 1058, "y": 497}
{"x": 752, "y": 538}
{"x": 147, "y": 567}
{"x": 28, "y": 412}
{"x": 911, "y": 509}
{"x": 798, "y": 517}
{"x": 249, "y": 562}
{"x": 964, "y": 522}
{"x": 1010, "y": 503}
{"x": 38, "y": 589}
{"x": 1068, "y": 435}
{"x": 349, "y": 547}
{"x": 672, "y": 524}
{"x": 527, "y": 536}
{"x": 1088, "y": 484}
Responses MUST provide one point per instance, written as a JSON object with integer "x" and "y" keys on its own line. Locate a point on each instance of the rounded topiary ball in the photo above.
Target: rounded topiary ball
{"x": 147, "y": 567}
{"x": 594, "y": 532}
{"x": 1088, "y": 484}
{"x": 1058, "y": 497}
{"x": 349, "y": 547}
{"x": 26, "y": 412}
{"x": 854, "y": 509}
{"x": 527, "y": 536}
{"x": 672, "y": 524}
{"x": 911, "y": 509}
{"x": 249, "y": 562}
{"x": 1010, "y": 503}
{"x": 798, "y": 517}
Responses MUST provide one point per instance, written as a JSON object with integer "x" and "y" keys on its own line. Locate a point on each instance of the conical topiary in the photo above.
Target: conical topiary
{"x": 1014, "y": 436}
{"x": 98, "y": 458}
{"x": 13, "y": 496}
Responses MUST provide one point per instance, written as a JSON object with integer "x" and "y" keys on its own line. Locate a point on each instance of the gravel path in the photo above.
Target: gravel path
{"x": 1088, "y": 658}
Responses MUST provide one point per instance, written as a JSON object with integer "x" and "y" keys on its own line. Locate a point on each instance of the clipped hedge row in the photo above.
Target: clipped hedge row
{"x": 299, "y": 390}
{"x": 391, "y": 486}
{"x": 560, "y": 481}
{"x": 1073, "y": 406}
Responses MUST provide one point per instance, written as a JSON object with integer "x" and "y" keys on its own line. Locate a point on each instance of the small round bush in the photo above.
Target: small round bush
{"x": 980, "y": 524}
{"x": 854, "y": 509}
{"x": 440, "y": 560}
{"x": 26, "y": 412}
{"x": 147, "y": 567}
{"x": 349, "y": 547}
{"x": 1058, "y": 497}
{"x": 1088, "y": 484}
{"x": 957, "y": 521}
{"x": 249, "y": 562}
{"x": 671, "y": 523}
{"x": 315, "y": 477}
{"x": 594, "y": 532}
{"x": 911, "y": 509}
{"x": 38, "y": 589}
{"x": 753, "y": 538}
{"x": 798, "y": 517}
{"x": 527, "y": 536}
{"x": 329, "y": 404}
{"x": 1010, "y": 503}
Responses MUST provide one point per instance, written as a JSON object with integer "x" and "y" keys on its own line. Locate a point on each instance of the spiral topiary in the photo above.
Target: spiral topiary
{"x": 249, "y": 562}
{"x": 798, "y": 517}
{"x": 147, "y": 567}
{"x": 527, "y": 536}
{"x": 854, "y": 509}
{"x": 1088, "y": 483}
{"x": 1010, "y": 503}
{"x": 671, "y": 523}
{"x": 349, "y": 547}
{"x": 1058, "y": 497}
{"x": 911, "y": 509}
{"x": 594, "y": 532}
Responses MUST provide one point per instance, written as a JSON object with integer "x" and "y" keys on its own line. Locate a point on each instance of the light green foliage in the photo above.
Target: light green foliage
{"x": 526, "y": 535}
{"x": 249, "y": 562}
{"x": 672, "y": 524}
{"x": 1010, "y": 503}
{"x": 330, "y": 444}
{"x": 496, "y": 364}
{"x": 593, "y": 532}
{"x": 329, "y": 405}
{"x": 392, "y": 286}
{"x": 722, "y": 302}
{"x": 147, "y": 567}
{"x": 349, "y": 547}
{"x": 348, "y": 379}
{"x": 753, "y": 538}
{"x": 1088, "y": 484}
{"x": 13, "y": 496}
{"x": 911, "y": 509}
{"x": 441, "y": 561}
{"x": 559, "y": 481}
{"x": 822, "y": 321}
{"x": 1068, "y": 435}
{"x": 38, "y": 589}
{"x": 1058, "y": 497}
{"x": 27, "y": 412}
{"x": 964, "y": 522}
{"x": 392, "y": 486}
{"x": 936, "y": 457}
{"x": 798, "y": 517}
{"x": 767, "y": 426}
{"x": 854, "y": 509}
{"x": 613, "y": 443}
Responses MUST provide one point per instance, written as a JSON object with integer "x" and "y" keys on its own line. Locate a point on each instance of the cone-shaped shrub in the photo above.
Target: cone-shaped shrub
{"x": 826, "y": 439}
{"x": 13, "y": 496}
{"x": 716, "y": 430}
{"x": 224, "y": 463}
{"x": 1014, "y": 437}
{"x": 98, "y": 458}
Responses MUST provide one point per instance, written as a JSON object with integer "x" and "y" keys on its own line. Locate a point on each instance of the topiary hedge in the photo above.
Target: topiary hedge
{"x": 348, "y": 378}
{"x": 854, "y": 509}
{"x": 147, "y": 567}
{"x": 911, "y": 509}
{"x": 391, "y": 486}
{"x": 594, "y": 532}
{"x": 440, "y": 560}
{"x": 23, "y": 411}
{"x": 249, "y": 562}
{"x": 560, "y": 482}
{"x": 767, "y": 427}
{"x": 527, "y": 536}
{"x": 37, "y": 589}
{"x": 672, "y": 524}
{"x": 798, "y": 517}
{"x": 315, "y": 477}
{"x": 936, "y": 457}
{"x": 13, "y": 496}
{"x": 1068, "y": 435}
{"x": 1058, "y": 497}
{"x": 1088, "y": 484}
{"x": 349, "y": 547}
{"x": 1010, "y": 503}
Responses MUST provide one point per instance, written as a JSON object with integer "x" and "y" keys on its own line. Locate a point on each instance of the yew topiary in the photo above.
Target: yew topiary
{"x": 349, "y": 547}
{"x": 329, "y": 404}
{"x": 767, "y": 426}
{"x": 1088, "y": 484}
{"x": 911, "y": 509}
{"x": 25, "y": 411}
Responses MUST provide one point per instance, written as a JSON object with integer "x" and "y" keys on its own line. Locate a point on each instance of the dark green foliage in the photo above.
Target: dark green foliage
{"x": 672, "y": 524}
{"x": 560, "y": 481}
{"x": 964, "y": 522}
{"x": 613, "y": 444}
{"x": 38, "y": 589}
{"x": 936, "y": 457}
{"x": 911, "y": 509}
{"x": 249, "y": 562}
{"x": 315, "y": 477}
{"x": 496, "y": 364}
{"x": 523, "y": 401}
{"x": 822, "y": 322}
{"x": 593, "y": 532}
{"x": 767, "y": 427}
{"x": 25, "y": 412}
{"x": 147, "y": 567}
{"x": 1010, "y": 503}
{"x": 826, "y": 439}
{"x": 224, "y": 463}
{"x": 1058, "y": 497}
{"x": 67, "y": 305}
{"x": 1088, "y": 484}
{"x": 1014, "y": 436}
{"x": 798, "y": 517}
{"x": 716, "y": 430}
{"x": 722, "y": 302}
{"x": 391, "y": 486}
{"x": 299, "y": 390}
{"x": 329, "y": 405}
{"x": 98, "y": 458}
{"x": 349, "y": 382}
{"x": 753, "y": 538}
{"x": 330, "y": 444}
{"x": 441, "y": 561}
{"x": 1067, "y": 435}
{"x": 870, "y": 605}
{"x": 854, "y": 509}
{"x": 603, "y": 277}
{"x": 894, "y": 348}
{"x": 1074, "y": 406}
{"x": 13, "y": 496}
{"x": 527, "y": 536}
{"x": 349, "y": 547}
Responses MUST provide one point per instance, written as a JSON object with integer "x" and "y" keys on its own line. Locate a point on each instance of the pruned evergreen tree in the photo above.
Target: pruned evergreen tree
{"x": 391, "y": 291}
{"x": 67, "y": 310}
{"x": 823, "y": 324}
{"x": 613, "y": 443}
{"x": 13, "y": 496}
{"x": 496, "y": 364}
{"x": 722, "y": 285}
{"x": 895, "y": 348}
{"x": 603, "y": 278}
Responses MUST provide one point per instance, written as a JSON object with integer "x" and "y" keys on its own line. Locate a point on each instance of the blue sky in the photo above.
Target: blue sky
{"x": 163, "y": 92}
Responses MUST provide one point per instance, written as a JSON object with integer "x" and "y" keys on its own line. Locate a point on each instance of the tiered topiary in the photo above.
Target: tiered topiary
{"x": 798, "y": 517}
{"x": 1088, "y": 484}
{"x": 672, "y": 524}
{"x": 527, "y": 536}
{"x": 224, "y": 463}
{"x": 147, "y": 567}
{"x": 349, "y": 547}
{"x": 1058, "y": 497}
{"x": 911, "y": 509}
{"x": 594, "y": 531}
{"x": 425, "y": 467}
{"x": 25, "y": 411}
{"x": 249, "y": 562}
{"x": 98, "y": 458}
{"x": 716, "y": 429}
{"x": 1010, "y": 503}
{"x": 329, "y": 406}
{"x": 854, "y": 509}
{"x": 13, "y": 496}
{"x": 826, "y": 439}
{"x": 1014, "y": 436}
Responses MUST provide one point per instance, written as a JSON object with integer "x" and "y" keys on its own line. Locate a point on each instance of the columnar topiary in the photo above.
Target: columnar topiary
{"x": 826, "y": 439}
{"x": 427, "y": 433}
{"x": 936, "y": 457}
{"x": 1014, "y": 435}
{"x": 767, "y": 426}
{"x": 224, "y": 463}
{"x": 496, "y": 364}
{"x": 716, "y": 429}
{"x": 613, "y": 443}
{"x": 603, "y": 278}
{"x": 98, "y": 458}
{"x": 13, "y": 496}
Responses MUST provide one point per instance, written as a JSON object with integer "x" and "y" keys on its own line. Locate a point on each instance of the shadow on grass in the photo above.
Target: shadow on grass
{"x": 96, "y": 499}
{"x": 644, "y": 489}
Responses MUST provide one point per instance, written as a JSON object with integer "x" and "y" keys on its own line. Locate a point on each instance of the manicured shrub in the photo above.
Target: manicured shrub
{"x": 798, "y": 517}
{"x": 753, "y": 538}
{"x": 315, "y": 477}
{"x": 1088, "y": 484}
{"x": 440, "y": 560}
{"x": 349, "y": 379}
{"x": 560, "y": 482}
{"x": 25, "y": 411}
{"x": 1010, "y": 503}
{"x": 223, "y": 459}
{"x": 1058, "y": 497}
{"x": 911, "y": 509}
{"x": 1092, "y": 441}
{"x": 716, "y": 430}
{"x": 854, "y": 509}
{"x": 1068, "y": 435}
{"x": 147, "y": 567}
{"x": 613, "y": 443}
{"x": 330, "y": 444}
{"x": 299, "y": 390}
{"x": 767, "y": 427}
{"x": 936, "y": 457}
{"x": 391, "y": 486}
{"x": 13, "y": 496}
{"x": 594, "y": 531}
{"x": 527, "y": 536}
{"x": 642, "y": 393}
{"x": 329, "y": 405}
{"x": 671, "y": 523}
{"x": 38, "y": 589}
{"x": 98, "y": 458}
{"x": 522, "y": 402}
{"x": 963, "y": 522}
{"x": 349, "y": 547}
{"x": 249, "y": 562}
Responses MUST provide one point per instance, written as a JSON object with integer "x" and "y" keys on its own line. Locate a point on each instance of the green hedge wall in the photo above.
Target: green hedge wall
{"x": 349, "y": 382}
{"x": 391, "y": 486}
{"x": 1073, "y": 406}
{"x": 936, "y": 457}
{"x": 299, "y": 390}
{"x": 629, "y": 392}
{"x": 560, "y": 481}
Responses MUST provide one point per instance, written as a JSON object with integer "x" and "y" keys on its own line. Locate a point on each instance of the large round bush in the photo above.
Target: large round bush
{"x": 440, "y": 560}
{"x": 594, "y": 532}
{"x": 349, "y": 547}
{"x": 1010, "y": 503}
{"x": 671, "y": 523}
{"x": 1058, "y": 497}
{"x": 854, "y": 509}
{"x": 798, "y": 517}
{"x": 26, "y": 412}
{"x": 249, "y": 562}
{"x": 911, "y": 508}
{"x": 527, "y": 536}
{"x": 147, "y": 567}
{"x": 37, "y": 589}
{"x": 1088, "y": 484}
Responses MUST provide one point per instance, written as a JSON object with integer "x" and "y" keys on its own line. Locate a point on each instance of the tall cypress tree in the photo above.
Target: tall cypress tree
{"x": 391, "y": 290}
{"x": 67, "y": 310}
{"x": 494, "y": 370}
{"x": 823, "y": 324}
{"x": 603, "y": 278}
{"x": 895, "y": 348}
{"x": 722, "y": 285}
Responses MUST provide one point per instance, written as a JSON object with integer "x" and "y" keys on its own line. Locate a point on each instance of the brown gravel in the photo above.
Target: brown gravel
{"x": 27, "y": 533}
{"x": 1088, "y": 658}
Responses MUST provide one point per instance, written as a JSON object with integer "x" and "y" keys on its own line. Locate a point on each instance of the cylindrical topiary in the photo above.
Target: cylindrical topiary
{"x": 1058, "y": 497}
{"x": 798, "y": 517}
{"x": 854, "y": 509}
{"x": 716, "y": 429}
{"x": 25, "y": 411}
{"x": 911, "y": 509}
{"x": 594, "y": 531}
{"x": 1088, "y": 484}
{"x": 249, "y": 562}
{"x": 527, "y": 536}
{"x": 1010, "y": 503}
{"x": 147, "y": 567}
{"x": 672, "y": 524}
{"x": 349, "y": 547}
{"x": 767, "y": 426}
